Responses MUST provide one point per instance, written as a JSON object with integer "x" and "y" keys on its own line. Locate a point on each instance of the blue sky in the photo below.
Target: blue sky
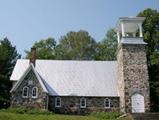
{"x": 27, "y": 21}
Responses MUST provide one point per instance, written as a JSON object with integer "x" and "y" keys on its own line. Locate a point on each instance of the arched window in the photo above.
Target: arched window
{"x": 57, "y": 102}
{"x": 107, "y": 103}
{"x": 34, "y": 92}
{"x": 25, "y": 92}
{"x": 83, "y": 103}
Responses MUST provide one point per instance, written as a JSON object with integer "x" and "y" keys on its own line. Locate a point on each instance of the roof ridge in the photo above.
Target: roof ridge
{"x": 71, "y": 60}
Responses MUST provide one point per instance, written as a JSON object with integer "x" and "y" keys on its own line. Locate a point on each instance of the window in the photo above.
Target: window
{"x": 25, "y": 92}
{"x": 83, "y": 103}
{"x": 34, "y": 92}
{"x": 107, "y": 103}
{"x": 58, "y": 102}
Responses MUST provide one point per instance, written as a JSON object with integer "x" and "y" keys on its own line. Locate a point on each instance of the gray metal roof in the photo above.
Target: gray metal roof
{"x": 73, "y": 78}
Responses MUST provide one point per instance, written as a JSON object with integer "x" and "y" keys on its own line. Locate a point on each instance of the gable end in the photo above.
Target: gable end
{"x": 30, "y": 67}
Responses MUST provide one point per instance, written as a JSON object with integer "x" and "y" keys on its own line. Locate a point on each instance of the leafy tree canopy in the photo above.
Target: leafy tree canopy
{"x": 107, "y": 48}
{"x": 76, "y": 46}
{"x": 151, "y": 34}
{"x": 45, "y": 49}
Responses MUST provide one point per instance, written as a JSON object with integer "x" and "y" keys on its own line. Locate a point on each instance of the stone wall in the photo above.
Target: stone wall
{"x": 71, "y": 105}
{"x": 132, "y": 74}
{"x": 120, "y": 78}
{"x": 39, "y": 102}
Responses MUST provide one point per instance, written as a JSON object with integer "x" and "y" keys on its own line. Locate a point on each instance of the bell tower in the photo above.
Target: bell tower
{"x": 133, "y": 80}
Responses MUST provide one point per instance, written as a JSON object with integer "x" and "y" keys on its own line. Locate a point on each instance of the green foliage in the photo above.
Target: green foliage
{"x": 76, "y": 46}
{"x": 8, "y": 57}
{"x": 45, "y": 49}
{"x": 73, "y": 46}
{"x": 4, "y": 91}
{"x": 4, "y": 115}
{"x": 151, "y": 34}
{"x": 106, "y": 115}
{"x": 151, "y": 37}
{"x": 107, "y": 48}
{"x": 15, "y": 116}
{"x": 154, "y": 87}
{"x": 25, "y": 110}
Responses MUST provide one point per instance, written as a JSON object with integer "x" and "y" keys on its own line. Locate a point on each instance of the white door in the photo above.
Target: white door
{"x": 137, "y": 102}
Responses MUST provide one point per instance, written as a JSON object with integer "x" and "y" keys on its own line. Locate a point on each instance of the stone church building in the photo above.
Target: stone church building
{"x": 78, "y": 87}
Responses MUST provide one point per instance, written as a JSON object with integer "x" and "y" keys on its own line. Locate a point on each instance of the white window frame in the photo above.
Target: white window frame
{"x": 109, "y": 101}
{"x": 56, "y": 99}
{"x": 25, "y": 87}
{"x": 36, "y": 92}
{"x": 81, "y": 100}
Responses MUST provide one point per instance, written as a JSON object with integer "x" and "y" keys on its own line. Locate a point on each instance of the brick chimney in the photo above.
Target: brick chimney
{"x": 33, "y": 56}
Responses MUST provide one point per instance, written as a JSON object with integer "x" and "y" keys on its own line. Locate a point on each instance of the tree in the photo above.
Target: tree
{"x": 107, "y": 48}
{"x": 151, "y": 34}
{"x": 76, "y": 46}
{"x": 8, "y": 58}
{"x": 45, "y": 49}
{"x": 151, "y": 37}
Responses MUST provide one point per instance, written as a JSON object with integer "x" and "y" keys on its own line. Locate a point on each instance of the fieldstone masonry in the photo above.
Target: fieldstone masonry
{"x": 39, "y": 102}
{"x": 132, "y": 74}
{"x": 71, "y": 105}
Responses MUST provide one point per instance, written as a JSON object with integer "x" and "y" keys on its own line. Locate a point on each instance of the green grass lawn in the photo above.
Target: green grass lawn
{"x": 15, "y": 116}
{"x": 37, "y": 114}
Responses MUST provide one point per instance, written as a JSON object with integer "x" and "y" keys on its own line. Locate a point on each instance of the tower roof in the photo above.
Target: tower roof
{"x": 130, "y": 23}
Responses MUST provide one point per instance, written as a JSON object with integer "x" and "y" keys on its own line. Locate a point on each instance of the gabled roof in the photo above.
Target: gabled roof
{"x": 73, "y": 78}
{"x": 30, "y": 67}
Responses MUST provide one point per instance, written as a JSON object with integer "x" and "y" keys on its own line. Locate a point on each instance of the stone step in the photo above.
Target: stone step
{"x": 146, "y": 116}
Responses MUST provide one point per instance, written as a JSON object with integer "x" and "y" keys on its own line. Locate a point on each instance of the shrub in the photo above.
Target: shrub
{"x": 106, "y": 115}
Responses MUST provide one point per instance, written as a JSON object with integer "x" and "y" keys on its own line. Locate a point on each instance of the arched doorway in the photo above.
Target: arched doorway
{"x": 137, "y": 103}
